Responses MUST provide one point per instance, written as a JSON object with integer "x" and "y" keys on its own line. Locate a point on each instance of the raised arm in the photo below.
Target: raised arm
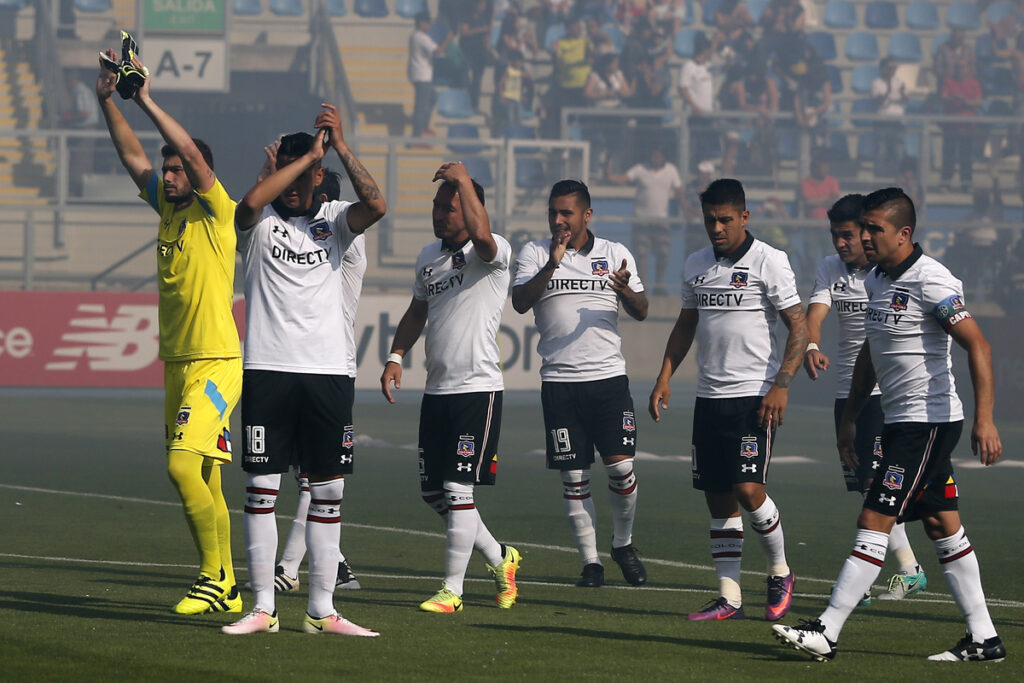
{"x": 477, "y": 223}
{"x": 371, "y": 206}
{"x": 678, "y": 346}
{"x": 410, "y": 327}
{"x": 985, "y": 440}
{"x": 773, "y": 405}
{"x": 199, "y": 173}
{"x": 815, "y": 359}
{"x": 249, "y": 210}
{"x": 129, "y": 149}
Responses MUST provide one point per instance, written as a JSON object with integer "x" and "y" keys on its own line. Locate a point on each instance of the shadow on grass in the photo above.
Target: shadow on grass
{"x": 89, "y": 607}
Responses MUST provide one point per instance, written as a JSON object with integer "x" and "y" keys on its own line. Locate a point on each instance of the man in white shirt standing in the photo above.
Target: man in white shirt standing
{"x": 890, "y": 95}
{"x": 296, "y": 394}
{"x": 697, "y": 89}
{"x": 733, "y": 294}
{"x": 656, "y": 182}
{"x": 460, "y": 286}
{"x": 915, "y": 306}
{"x": 839, "y": 284}
{"x": 422, "y": 50}
{"x": 574, "y": 282}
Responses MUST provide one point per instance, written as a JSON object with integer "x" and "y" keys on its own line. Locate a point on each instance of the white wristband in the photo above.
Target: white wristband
{"x": 394, "y": 358}
{"x": 811, "y": 347}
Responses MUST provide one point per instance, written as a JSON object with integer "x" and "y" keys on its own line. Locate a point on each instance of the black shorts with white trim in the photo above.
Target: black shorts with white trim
{"x": 729, "y": 445}
{"x": 867, "y": 444}
{"x": 582, "y": 416}
{"x": 458, "y": 438}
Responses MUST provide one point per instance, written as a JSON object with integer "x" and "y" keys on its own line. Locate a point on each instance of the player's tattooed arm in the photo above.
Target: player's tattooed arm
{"x": 796, "y": 344}
{"x": 371, "y": 206}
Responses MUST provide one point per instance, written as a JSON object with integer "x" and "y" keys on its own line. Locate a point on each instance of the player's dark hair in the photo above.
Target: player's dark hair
{"x": 204, "y": 149}
{"x": 896, "y": 203}
{"x": 564, "y": 188}
{"x": 724, "y": 192}
{"x": 330, "y": 186}
{"x": 847, "y": 209}
{"x": 295, "y": 145}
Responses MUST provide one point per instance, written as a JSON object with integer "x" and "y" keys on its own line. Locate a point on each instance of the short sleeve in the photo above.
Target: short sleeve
{"x": 336, "y": 213}
{"x": 943, "y": 298}
{"x": 634, "y": 172}
{"x": 217, "y": 204}
{"x": 688, "y": 296}
{"x": 822, "y": 292}
{"x": 419, "y": 290}
{"x": 677, "y": 182}
{"x": 151, "y": 193}
{"x": 779, "y": 282}
{"x": 503, "y": 259}
{"x": 528, "y": 264}
{"x": 634, "y": 279}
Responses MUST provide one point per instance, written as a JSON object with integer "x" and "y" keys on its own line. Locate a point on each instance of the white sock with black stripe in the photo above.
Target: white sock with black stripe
{"x": 295, "y": 546}
{"x": 463, "y": 523}
{"x": 767, "y": 522}
{"x": 579, "y": 508}
{"x": 323, "y": 534}
{"x": 859, "y": 571}
{"x": 727, "y": 554}
{"x": 259, "y": 525}
{"x": 960, "y": 566}
{"x": 622, "y": 496}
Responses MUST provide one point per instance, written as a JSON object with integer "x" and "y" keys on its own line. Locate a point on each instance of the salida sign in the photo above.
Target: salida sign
{"x": 185, "y": 16}
{"x": 87, "y": 339}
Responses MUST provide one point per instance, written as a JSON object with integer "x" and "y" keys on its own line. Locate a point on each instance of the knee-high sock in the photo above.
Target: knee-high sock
{"x": 622, "y": 496}
{"x": 855, "y": 578}
{"x": 960, "y": 566}
{"x": 485, "y": 542}
{"x": 223, "y": 520}
{"x": 727, "y": 554}
{"x": 260, "y": 526}
{"x": 463, "y": 521}
{"x": 768, "y": 525}
{"x": 295, "y": 546}
{"x": 323, "y": 533}
{"x": 437, "y": 502}
{"x": 579, "y": 508}
{"x": 186, "y": 472}
{"x": 899, "y": 546}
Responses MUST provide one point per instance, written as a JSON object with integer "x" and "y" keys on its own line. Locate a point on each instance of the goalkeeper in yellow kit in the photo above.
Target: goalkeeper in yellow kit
{"x": 198, "y": 339}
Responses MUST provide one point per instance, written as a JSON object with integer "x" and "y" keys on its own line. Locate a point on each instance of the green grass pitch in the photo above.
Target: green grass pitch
{"x": 94, "y": 551}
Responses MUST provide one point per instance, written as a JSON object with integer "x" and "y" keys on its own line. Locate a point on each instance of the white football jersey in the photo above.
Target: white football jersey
{"x": 577, "y": 316}
{"x": 353, "y": 268}
{"x": 841, "y": 288}
{"x": 738, "y": 298}
{"x": 909, "y": 310}
{"x": 465, "y": 297}
{"x": 294, "y": 291}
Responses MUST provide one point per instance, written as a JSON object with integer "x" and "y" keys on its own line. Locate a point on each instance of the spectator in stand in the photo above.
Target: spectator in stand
{"x": 516, "y": 34}
{"x": 1006, "y": 31}
{"x": 689, "y": 203}
{"x": 475, "y": 42}
{"x": 513, "y": 92}
{"x": 572, "y": 55}
{"x": 651, "y": 78}
{"x": 607, "y": 88}
{"x": 631, "y": 11}
{"x": 422, "y": 51}
{"x": 961, "y": 96}
{"x": 696, "y": 87}
{"x": 554, "y": 12}
{"x": 890, "y": 95}
{"x": 748, "y": 88}
{"x": 599, "y": 40}
{"x": 734, "y": 24}
{"x": 657, "y": 181}
{"x": 84, "y": 114}
{"x": 818, "y": 191}
{"x": 813, "y": 99}
{"x": 950, "y": 53}
{"x": 909, "y": 180}
{"x": 782, "y": 21}
{"x": 667, "y": 15}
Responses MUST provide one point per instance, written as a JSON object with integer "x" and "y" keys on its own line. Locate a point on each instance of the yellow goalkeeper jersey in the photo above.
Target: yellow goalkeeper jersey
{"x": 196, "y": 272}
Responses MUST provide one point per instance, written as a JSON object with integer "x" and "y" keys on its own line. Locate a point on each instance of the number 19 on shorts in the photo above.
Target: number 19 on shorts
{"x": 560, "y": 440}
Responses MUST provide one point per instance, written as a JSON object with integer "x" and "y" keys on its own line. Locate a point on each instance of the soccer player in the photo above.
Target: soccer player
{"x": 353, "y": 267}
{"x": 839, "y": 284}
{"x": 574, "y": 282}
{"x": 198, "y": 338}
{"x": 460, "y": 285}
{"x": 296, "y": 394}
{"x": 914, "y": 306}
{"x": 733, "y": 293}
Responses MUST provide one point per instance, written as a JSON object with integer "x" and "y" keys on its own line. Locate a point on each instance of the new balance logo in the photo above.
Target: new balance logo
{"x": 126, "y": 341}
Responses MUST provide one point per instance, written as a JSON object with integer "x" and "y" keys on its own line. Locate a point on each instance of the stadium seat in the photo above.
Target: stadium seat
{"x": 996, "y": 80}
{"x": 616, "y": 34}
{"x": 530, "y": 174}
{"x": 922, "y": 15}
{"x": 862, "y": 46}
{"x": 998, "y": 11}
{"x": 840, "y": 14}
{"x": 756, "y": 8}
{"x": 93, "y": 5}
{"x": 786, "y": 147}
{"x": 336, "y": 8}
{"x": 835, "y": 77}
{"x": 554, "y": 33}
{"x": 838, "y": 149}
{"x": 372, "y": 9}
{"x": 247, "y": 7}
{"x": 862, "y": 77}
{"x": 287, "y": 8}
{"x": 905, "y": 47}
{"x": 479, "y": 170}
{"x": 912, "y": 144}
{"x": 454, "y": 103}
{"x": 408, "y": 9}
{"x": 866, "y": 146}
{"x": 709, "y": 8}
{"x": 963, "y": 14}
{"x": 881, "y": 14}
{"x": 439, "y": 31}
{"x": 863, "y": 105}
{"x": 994, "y": 107}
{"x": 684, "y": 42}
{"x": 983, "y": 48}
{"x": 937, "y": 42}
{"x": 915, "y": 105}
{"x": 464, "y": 130}
{"x": 824, "y": 44}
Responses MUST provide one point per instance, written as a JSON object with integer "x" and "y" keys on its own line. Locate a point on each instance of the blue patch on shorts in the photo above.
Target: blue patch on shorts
{"x": 214, "y": 395}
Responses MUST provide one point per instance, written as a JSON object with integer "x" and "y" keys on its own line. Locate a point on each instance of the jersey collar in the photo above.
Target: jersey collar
{"x": 586, "y": 248}
{"x": 287, "y": 214}
{"x": 445, "y": 246}
{"x": 739, "y": 252}
{"x": 904, "y": 266}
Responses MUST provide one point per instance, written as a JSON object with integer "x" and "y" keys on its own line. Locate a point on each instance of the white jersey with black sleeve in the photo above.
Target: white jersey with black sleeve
{"x": 353, "y": 268}
{"x": 578, "y": 314}
{"x": 294, "y": 291}
{"x": 910, "y": 310}
{"x": 465, "y": 297}
{"x": 738, "y": 298}
{"x": 841, "y": 288}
